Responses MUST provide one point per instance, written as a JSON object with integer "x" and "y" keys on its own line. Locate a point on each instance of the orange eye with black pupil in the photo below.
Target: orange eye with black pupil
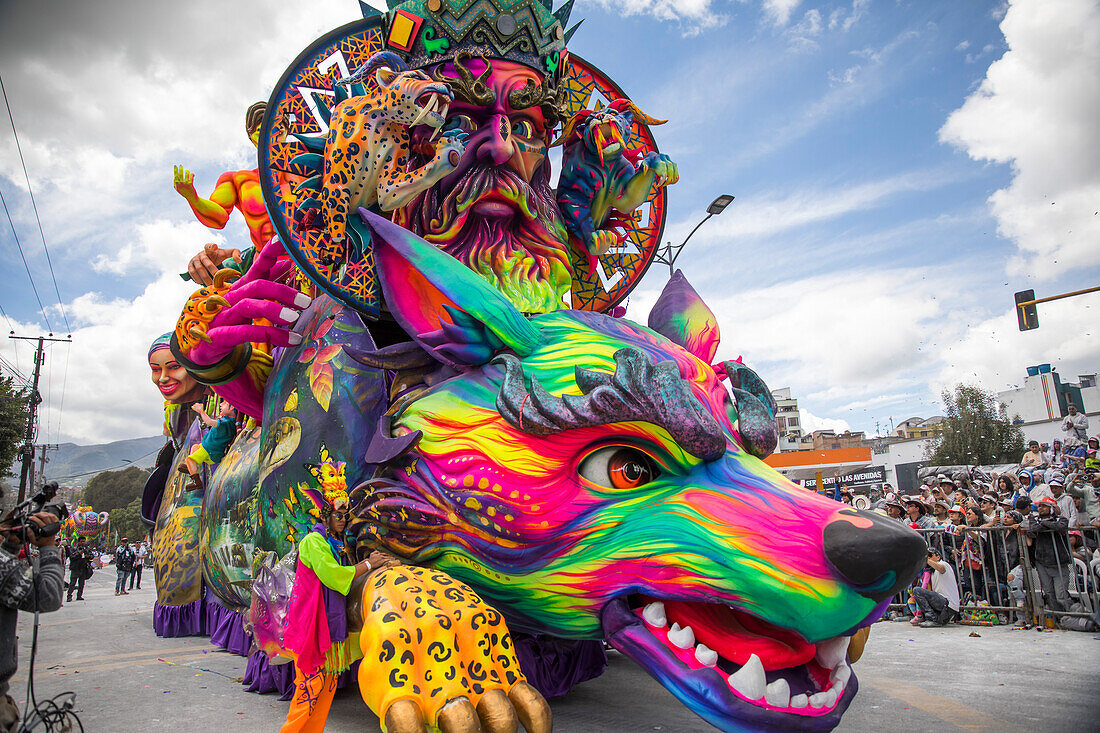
{"x": 619, "y": 467}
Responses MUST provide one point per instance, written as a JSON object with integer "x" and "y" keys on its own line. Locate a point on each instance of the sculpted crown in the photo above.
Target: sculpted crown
{"x": 428, "y": 32}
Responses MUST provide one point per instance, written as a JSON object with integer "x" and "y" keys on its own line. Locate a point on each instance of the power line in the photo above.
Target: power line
{"x": 41, "y": 233}
{"x": 24, "y": 257}
{"x": 5, "y": 313}
{"x": 64, "y": 381}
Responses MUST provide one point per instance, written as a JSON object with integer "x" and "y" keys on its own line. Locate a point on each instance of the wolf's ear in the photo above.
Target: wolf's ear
{"x": 682, "y": 317}
{"x": 450, "y": 310}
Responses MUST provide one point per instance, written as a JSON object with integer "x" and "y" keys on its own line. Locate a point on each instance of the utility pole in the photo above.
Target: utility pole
{"x": 42, "y": 461}
{"x": 26, "y": 475}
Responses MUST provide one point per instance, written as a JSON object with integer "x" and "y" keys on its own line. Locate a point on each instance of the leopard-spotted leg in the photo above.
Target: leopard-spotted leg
{"x": 431, "y": 641}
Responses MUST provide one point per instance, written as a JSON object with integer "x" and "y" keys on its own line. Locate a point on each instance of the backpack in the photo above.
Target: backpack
{"x": 124, "y": 560}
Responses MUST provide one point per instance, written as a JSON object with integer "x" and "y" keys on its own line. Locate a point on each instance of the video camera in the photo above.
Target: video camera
{"x": 40, "y": 502}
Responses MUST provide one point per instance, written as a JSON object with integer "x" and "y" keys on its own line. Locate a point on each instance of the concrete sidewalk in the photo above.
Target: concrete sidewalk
{"x": 911, "y": 679}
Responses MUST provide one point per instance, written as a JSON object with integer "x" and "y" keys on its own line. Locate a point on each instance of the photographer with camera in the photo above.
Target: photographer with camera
{"x": 80, "y": 568}
{"x": 23, "y": 587}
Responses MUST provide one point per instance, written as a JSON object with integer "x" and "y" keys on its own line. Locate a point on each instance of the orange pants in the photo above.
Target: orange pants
{"x": 310, "y": 704}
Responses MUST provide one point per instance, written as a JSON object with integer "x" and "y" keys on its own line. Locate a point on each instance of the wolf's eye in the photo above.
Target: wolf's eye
{"x": 619, "y": 467}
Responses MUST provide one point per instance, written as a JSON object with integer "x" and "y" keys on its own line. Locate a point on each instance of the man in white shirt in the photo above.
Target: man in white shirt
{"x": 940, "y": 604}
{"x": 1075, "y": 425}
{"x": 1066, "y": 507}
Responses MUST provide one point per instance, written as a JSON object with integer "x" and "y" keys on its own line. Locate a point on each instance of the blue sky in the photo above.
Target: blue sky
{"x": 901, "y": 168}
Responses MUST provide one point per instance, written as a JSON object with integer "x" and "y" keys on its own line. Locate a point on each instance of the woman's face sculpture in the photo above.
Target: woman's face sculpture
{"x": 173, "y": 381}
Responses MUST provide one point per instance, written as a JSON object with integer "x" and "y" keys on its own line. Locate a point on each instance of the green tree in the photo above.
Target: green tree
{"x": 976, "y": 430}
{"x": 13, "y": 422}
{"x": 126, "y": 522}
{"x": 113, "y": 490}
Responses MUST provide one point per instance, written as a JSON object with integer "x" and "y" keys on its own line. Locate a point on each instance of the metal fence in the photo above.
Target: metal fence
{"x": 1009, "y": 574}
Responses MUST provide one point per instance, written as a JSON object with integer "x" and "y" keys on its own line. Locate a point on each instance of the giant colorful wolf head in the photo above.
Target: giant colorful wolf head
{"x": 593, "y": 479}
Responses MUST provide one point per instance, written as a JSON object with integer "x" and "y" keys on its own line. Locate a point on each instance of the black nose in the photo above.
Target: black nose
{"x": 877, "y": 555}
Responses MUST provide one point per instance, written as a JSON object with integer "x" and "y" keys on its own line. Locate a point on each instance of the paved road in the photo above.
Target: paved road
{"x": 127, "y": 679}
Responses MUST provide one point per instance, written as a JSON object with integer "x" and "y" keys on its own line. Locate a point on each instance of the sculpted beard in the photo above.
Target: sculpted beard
{"x": 525, "y": 256}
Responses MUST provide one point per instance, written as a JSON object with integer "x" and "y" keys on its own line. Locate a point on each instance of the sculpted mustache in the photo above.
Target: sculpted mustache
{"x": 480, "y": 183}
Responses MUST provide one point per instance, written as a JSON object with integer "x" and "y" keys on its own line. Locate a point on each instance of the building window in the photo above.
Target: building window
{"x": 793, "y": 422}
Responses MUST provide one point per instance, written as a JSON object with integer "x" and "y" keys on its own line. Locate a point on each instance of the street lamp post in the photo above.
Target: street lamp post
{"x": 667, "y": 254}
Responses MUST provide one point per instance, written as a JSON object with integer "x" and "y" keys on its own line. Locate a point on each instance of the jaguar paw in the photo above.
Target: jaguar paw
{"x": 435, "y": 655}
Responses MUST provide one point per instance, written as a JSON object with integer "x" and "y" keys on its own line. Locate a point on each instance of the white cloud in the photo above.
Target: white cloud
{"x": 694, "y": 15}
{"x": 963, "y": 45}
{"x": 811, "y": 422}
{"x": 844, "y": 19}
{"x": 769, "y": 213}
{"x": 157, "y": 242}
{"x": 778, "y": 12}
{"x": 803, "y": 35}
{"x": 1037, "y": 110}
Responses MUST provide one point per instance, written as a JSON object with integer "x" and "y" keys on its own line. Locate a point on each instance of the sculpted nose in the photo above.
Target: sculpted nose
{"x": 496, "y": 146}
{"x": 876, "y": 555}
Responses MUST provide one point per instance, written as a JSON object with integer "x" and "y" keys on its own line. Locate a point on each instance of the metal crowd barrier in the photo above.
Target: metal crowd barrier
{"x": 999, "y": 582}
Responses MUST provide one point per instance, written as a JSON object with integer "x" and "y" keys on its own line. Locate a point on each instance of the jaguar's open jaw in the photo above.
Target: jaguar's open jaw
{"x": 433, "y": 106}
{"x": 733, "y": 669}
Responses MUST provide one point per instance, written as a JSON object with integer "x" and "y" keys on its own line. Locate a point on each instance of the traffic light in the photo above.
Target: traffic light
{"x": 1027, "y": 316}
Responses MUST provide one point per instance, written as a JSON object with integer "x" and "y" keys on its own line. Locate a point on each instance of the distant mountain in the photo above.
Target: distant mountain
{"x": 73, "y": 464}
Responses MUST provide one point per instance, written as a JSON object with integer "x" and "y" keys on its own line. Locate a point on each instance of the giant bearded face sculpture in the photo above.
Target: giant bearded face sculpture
{"x": 496, "y": 212}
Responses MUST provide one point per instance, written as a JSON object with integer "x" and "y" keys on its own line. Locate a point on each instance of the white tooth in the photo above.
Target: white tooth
{"x": 654, "y": 614}
{"x": 749, "y": 680}
{"x": 817, "y": 700}
{"x": 831, "y": 653}
{"x": 838, "y": 688}
{"x": 842, "y": 674}
{"x": 675, "y": 628}
{"x": 683, "y": 638}
{"x": 705, "y": 655}
{"x": 778, "y": 694}
{"x": 799, "y": 701}
{"x": 423, "y": 113}
{"x": 830, "y": 697}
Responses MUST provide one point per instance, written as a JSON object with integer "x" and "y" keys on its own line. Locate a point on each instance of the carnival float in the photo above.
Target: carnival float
{"x": 429, "y": 322}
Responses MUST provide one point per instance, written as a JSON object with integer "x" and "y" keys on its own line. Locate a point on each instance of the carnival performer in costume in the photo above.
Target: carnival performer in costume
{"x": 316, "y": 630}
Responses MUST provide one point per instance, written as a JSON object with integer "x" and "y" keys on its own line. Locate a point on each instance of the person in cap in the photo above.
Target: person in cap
{"x": 991, "y": 508}
{"x": 1066, "y": 507}
{"x": 875, "y": 495}
{"x": 894, "y": 508}
{"x": 940, "y": 602}
{"x": 918, "y": 513}
{"x": 124, "y": 565}
{"x": 1050, "y": 544}
{"x": 939, "y": 512}
{"x": 1031, "y": 486}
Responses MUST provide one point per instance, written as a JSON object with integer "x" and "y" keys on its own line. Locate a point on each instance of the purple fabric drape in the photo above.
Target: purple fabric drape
{"x": 186, "y": 620}
{"x": 226, "y": 627}
{"x": 554, "y": 666}
{"x": 262, "y": 677}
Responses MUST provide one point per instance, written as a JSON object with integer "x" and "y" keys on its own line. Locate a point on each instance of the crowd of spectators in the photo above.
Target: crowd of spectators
{"x": 978, "y": 526}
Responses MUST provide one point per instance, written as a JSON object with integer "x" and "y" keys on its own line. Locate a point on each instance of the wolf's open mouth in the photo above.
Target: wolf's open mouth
{"x": 733, "y": 665}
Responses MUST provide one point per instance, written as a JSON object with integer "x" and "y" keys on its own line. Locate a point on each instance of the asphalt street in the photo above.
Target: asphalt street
{"x": 911, "y": 679}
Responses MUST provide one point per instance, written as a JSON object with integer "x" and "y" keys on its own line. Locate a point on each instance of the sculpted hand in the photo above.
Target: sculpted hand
{"x": 205, "y": 265}
{"x": 666, "y": 172}
{"x": 215, "y": 331}
{"x": 183, "y": 181}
